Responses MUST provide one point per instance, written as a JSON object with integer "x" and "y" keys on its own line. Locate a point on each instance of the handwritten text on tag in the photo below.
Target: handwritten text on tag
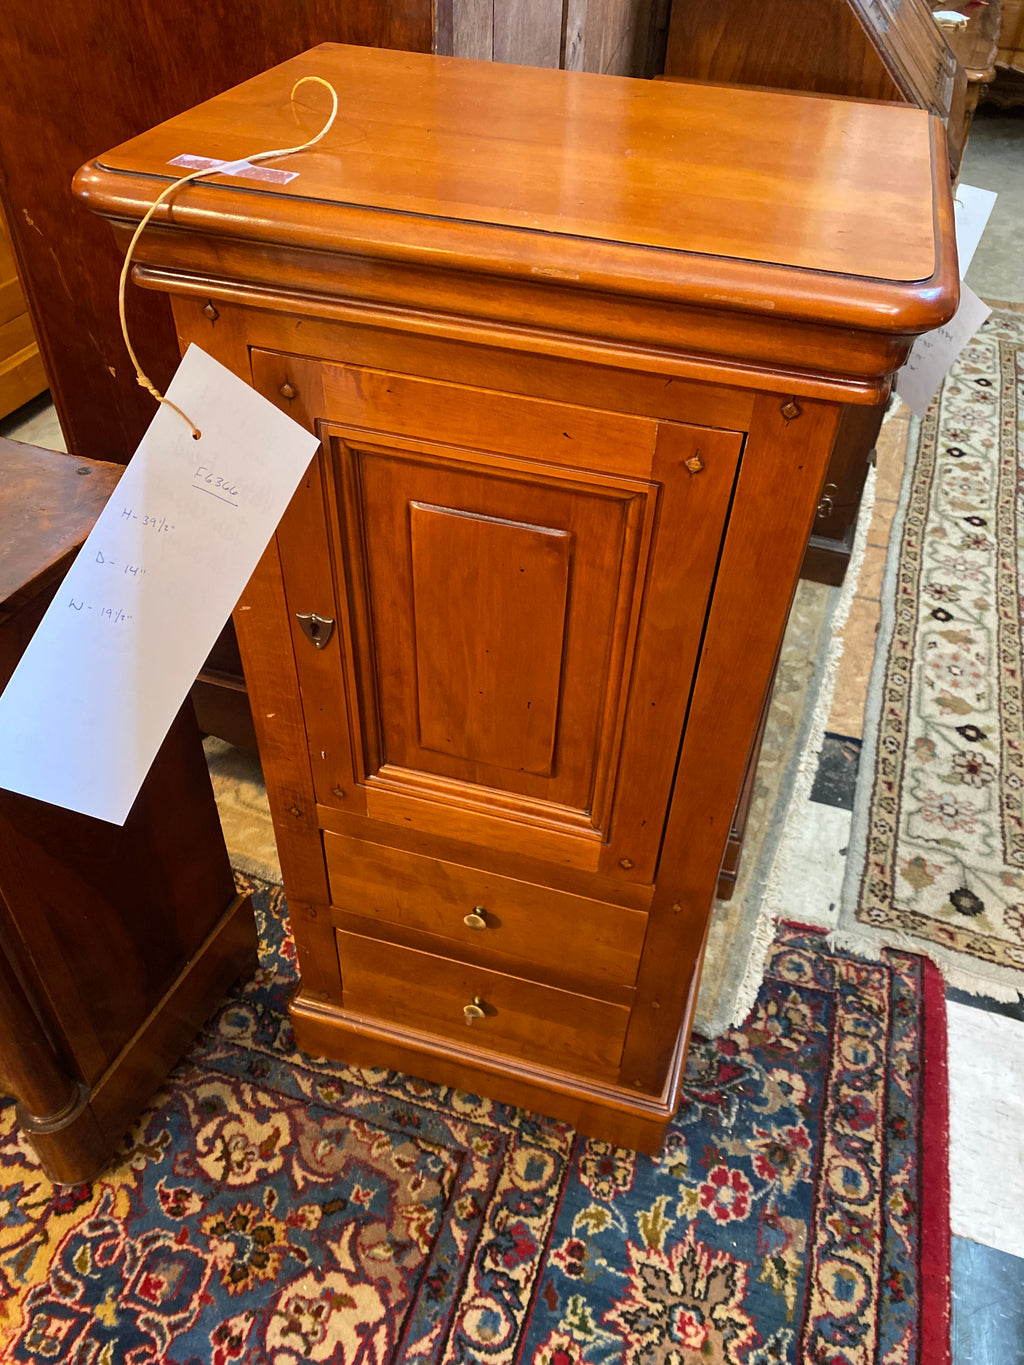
{"x": 131, "y": 625}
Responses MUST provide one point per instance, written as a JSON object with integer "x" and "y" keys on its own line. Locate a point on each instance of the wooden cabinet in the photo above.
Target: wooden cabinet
{"x": 577, "y": 350}
{"x": 21, "y": 367}
{"x": 1007, "y": 90}
{"x": 1010, "y": 52}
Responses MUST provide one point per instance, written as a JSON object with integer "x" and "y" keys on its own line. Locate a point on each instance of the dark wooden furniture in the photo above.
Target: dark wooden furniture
{"x": 1007, "y": 90}
{"x": 577, "y": 349}
{"x": 115, "y": 943}
{"x": 77, "y": 77}
{"x": 974, "y": 42}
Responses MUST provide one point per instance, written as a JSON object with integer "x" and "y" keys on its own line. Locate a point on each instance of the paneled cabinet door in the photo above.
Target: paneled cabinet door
{"x": 518, "y": 589}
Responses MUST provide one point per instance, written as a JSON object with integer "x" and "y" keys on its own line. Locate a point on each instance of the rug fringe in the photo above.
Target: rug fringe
{"x": 867, "y": 946}
{"x": 870, "y": 946}
{"x": 753, "y": 974}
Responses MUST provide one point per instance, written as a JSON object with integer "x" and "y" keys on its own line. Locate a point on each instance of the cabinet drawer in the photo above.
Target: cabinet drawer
{"x": 507, "y": 1014}
{"x": 547, "y": 928}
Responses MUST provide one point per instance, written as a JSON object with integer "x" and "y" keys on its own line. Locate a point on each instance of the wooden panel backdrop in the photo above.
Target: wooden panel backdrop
{"x": 615, "y": 37}
{"x": 82, "y": 75}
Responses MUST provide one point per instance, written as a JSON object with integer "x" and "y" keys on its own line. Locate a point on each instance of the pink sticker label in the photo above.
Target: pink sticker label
{"x": 245, "y": 170}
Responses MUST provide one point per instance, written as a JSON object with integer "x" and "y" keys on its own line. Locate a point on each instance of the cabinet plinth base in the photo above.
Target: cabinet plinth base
{"x": 608, "y": 1112}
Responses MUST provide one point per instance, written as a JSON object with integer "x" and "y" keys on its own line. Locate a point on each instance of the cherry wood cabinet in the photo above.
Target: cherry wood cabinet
{"x": 577, "y": 350}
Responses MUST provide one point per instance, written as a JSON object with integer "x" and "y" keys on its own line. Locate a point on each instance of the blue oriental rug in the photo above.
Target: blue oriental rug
{"x": 269, "y": 1207}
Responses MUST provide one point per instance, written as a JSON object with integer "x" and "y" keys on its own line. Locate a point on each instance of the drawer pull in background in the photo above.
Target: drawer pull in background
{"x": 477, "y": 917}
{"x": 474, "y": 1011}
{"x": 827, "y": 506}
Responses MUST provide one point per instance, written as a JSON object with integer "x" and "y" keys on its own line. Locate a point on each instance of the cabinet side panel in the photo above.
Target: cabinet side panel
{"x": 783, "y": 466}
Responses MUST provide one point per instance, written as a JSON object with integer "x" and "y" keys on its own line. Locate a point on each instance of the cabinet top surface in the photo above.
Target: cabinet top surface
{"x": 554, "y": 171}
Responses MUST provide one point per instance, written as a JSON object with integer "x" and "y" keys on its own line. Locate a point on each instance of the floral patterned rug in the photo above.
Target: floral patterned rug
{"x": 269, "y": 1207}
{"x": 937, "y": 856}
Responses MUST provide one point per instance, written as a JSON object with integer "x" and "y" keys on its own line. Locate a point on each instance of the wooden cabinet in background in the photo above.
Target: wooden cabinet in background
{"x": 21, "y": 368}
{"x": 78, "y": 75}
{"x": 1007, "y": 90}
{"x": 577, "y": 349}
{"x": 1010, "y": 51}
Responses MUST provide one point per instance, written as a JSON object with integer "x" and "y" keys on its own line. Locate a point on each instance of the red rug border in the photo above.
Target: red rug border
{"x": 936, "y": 1231}
{"x": 936, "y": 1289}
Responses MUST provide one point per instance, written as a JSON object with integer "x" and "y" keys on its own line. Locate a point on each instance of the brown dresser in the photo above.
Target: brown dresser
{"x": 577, "y": 349}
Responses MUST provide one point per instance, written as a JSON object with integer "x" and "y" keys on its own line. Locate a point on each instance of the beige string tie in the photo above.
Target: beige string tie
{"x": 142, "y": 379}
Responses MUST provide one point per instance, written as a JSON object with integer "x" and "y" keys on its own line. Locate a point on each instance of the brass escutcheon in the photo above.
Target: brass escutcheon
{"x": 316, "y": 628}
{"x": 695, "y": 464}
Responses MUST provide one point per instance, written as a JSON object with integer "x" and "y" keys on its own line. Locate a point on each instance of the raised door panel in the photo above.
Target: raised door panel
{"x": 499, "y": 602}
{"x": 517, "y": 630}
{"x": 489, "y": 601}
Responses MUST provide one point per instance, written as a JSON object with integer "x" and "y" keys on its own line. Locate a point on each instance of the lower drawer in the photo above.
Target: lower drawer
{"x": 481, "y": 909}
{"x": 488, "y": 1009}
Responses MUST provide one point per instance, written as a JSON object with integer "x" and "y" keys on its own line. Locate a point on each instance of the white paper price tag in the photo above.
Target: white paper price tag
{"x": 932, "y": 354}
{"x": 972, "y": 208}
{"x": 131, "y": 625}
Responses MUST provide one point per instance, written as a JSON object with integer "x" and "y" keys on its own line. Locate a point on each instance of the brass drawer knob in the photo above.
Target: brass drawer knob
{"x": 477, "y": 917}
{"x": 474, "y": 1011}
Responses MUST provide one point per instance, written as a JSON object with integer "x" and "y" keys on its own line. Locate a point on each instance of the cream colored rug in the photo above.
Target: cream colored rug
{"x": 769, "y": 884}
{"x": 936, "y": 861}
{"x": 244, "y": 811}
